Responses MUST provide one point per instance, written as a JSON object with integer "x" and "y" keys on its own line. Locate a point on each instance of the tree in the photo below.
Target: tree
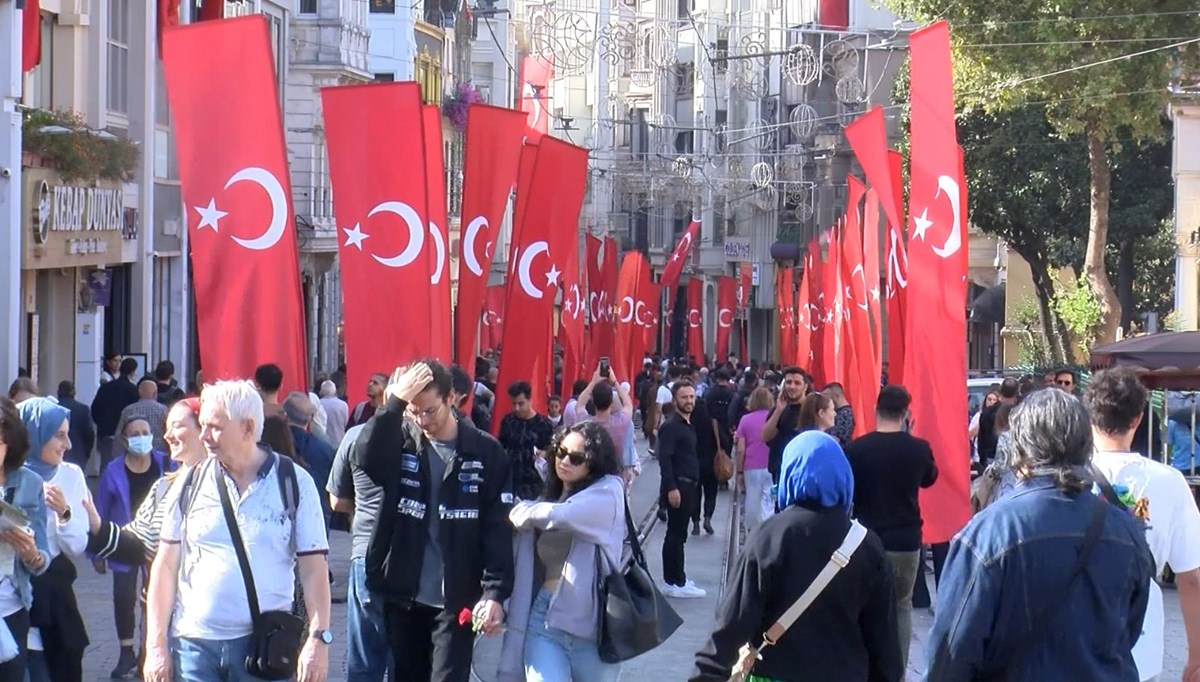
{"x": 1102, "y": 67}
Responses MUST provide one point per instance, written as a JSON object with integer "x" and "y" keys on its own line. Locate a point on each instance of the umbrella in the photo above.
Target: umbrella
{"x": 1178, "y": 351}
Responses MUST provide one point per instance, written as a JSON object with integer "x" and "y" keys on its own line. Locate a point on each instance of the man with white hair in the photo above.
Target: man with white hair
{"x": 337, "y": 412}
{"x": 244, "y": 495}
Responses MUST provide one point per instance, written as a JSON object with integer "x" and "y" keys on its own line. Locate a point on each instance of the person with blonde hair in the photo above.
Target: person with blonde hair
{"x": 752, "y": 455}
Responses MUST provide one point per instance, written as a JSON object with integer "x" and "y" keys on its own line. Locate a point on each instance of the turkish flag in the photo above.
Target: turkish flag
{"x": 571, "y": 322}
{"x": 647, "y": 311}
{"x": 31, "y": 35}
{"x": 868, "y": 138}
{"x": 814, "y": 274}
{"x": 491, "y": 155}
{"x": 541, "y": 245}
{"x": 745, "y": 277}
{"x": 602, "y": 297}
{"x": 896, "y": 258}
{"x": 536, "y": 74}
{"x": 861, "y": 378}
{"x": 234, "y": 173}
{"x": 785, "y": 305}
{"x": 726, "y": 304}
{"x": 668, "y": 316}
{"x": 211, "y": 10}
{"x": 683, "y": 251}
{"x": 938, "y": 327}
{"x": 871, "y": 270}
{"x": 387, "y": 248}
{"x": 492, "y": 318}
{"x": 834, "y": 357}
{"x": 632, "y": 285}
{"x": 439, "y": 256}
{"x": 525, "y": 167}
{"x": 695, "y": 321}
{"x": 804, "y": 320}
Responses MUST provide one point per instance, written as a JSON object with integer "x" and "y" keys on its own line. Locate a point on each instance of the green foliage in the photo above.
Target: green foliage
{"x": 1033, "y": 349}
{"x": 1079, "y": 309}
{"x": 79, "y": 155}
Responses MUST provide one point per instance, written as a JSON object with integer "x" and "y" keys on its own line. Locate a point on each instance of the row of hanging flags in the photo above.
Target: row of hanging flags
{"x": 385, "y": 163}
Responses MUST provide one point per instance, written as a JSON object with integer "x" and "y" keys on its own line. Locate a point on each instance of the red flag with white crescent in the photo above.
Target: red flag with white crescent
{"x": 745, "y": 277}
{"x": 871, "y": 271}
{"x": 896, "y": 263}
{"x": 868, "y": 138}
{"x": 491, "y": 154}
{"x": 815, "y": 274}
{"x": 237, "y": 197}
{"x": 599, "y": 343}
{"x": 439, "y": 256}
{"x": 648, "y": 311}
{"x": 571, "y": 322}
{"x": 785, "y": 306}
{"x": 633, "y": 281}
{"x": 536, "y": 74}
{"x": 492, "y": 318}
{"x": 726, "y": 305}
{"x": 835, "y": 358}
{"x": 541, "y": 245}
{"x": 937, "y": 328}
{"x": 386, "y": 244}
{"x": 862, "y": 382}
{"x": 683, "y": 251}
{"x": 695, "y": 321}
{"x": 805, "y": 318}
{"x": 524, "y": 188}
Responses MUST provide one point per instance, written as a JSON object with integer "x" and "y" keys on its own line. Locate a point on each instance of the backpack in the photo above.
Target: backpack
{"x": 289, "y": 487}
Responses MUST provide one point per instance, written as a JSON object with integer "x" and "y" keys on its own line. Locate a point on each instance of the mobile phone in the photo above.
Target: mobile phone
{"x": 604, "y": 367}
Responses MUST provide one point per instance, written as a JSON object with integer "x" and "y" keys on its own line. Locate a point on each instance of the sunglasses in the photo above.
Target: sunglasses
{"x": 577, "y": 459}
{"x": 1065, "y": 383}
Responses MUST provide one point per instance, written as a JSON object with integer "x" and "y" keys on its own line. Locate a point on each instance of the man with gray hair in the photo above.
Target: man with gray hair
{"x": 312, "y": 449}
{"x": 1049, "y": 583}
{"x": 336, "y": 411}
{"x": 199, "y": 621}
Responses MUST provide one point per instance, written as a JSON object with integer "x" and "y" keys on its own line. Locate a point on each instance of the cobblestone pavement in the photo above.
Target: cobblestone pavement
{"x": 669, "y": 663}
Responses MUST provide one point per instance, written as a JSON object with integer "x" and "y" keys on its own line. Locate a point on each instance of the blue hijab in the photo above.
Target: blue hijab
{"x": 42, "y": 418}
{"x": 816, "y": 470}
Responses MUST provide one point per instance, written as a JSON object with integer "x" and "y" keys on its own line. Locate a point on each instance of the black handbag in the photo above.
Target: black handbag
{"x": 278, "y": 636}
{"x": 634, "y": 616}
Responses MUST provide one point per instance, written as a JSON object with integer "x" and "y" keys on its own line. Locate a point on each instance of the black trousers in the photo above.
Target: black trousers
{"x": 706, "y": 495}
{"x": 677, "y": 532}
{"x": 428, "y": 644}
{"x": 18, "y": 624}
{"x": 125, "y": 603}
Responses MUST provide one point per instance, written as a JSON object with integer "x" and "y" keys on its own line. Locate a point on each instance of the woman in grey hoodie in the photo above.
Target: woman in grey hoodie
{"x": 565, "y": 544}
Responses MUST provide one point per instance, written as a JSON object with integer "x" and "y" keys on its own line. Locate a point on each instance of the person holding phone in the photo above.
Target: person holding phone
{"x": 616, "y": 418}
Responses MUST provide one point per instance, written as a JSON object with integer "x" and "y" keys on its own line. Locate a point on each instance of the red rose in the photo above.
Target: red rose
{"x": 464, "y": 616}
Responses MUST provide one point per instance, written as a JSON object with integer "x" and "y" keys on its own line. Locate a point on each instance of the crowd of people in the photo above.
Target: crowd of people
{"x": 457, "y": 534}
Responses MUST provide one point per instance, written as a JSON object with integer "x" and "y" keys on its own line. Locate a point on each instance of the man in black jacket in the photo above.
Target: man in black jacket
{"x": 679, "y": 467}
{"x": 81, "y": 430}
{"x": 113, "y": 397}
{"x": 443, "y": 543}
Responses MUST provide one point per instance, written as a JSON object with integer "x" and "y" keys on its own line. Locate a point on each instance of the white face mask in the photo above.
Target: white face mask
{"x": 140, "y": 445}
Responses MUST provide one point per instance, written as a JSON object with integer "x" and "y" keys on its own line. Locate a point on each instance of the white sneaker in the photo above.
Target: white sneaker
{"x": 690, "y": 591}
{"x": 672, "y": 591}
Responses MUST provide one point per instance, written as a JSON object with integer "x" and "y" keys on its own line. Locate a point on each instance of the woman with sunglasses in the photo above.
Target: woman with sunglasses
{"x": 565, "y": 543}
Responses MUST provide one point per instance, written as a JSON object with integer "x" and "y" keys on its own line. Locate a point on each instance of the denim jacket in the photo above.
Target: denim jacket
{"x": 23, "y": 489}
{"x": 1006, "y": 614}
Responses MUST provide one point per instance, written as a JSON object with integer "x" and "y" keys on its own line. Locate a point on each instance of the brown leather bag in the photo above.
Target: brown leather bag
{"x": 722, "y": 467}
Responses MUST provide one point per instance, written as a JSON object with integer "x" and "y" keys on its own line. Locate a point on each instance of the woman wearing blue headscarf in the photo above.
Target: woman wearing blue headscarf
{"x": 57, "y": 635}
{"x": 22, "y": 489}
{"x": 848, "y": 633}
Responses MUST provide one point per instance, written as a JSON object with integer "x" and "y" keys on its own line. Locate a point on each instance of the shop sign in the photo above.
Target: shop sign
{"x": 737, "y": 249}
{"x": 67, "y": 208}
{"x": 75, "y": 226}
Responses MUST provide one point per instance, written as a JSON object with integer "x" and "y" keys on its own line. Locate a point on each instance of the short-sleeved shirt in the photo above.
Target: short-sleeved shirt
{"x": 1171, "y": 531}
{"x": 211, "y": 602}
{"x": 521, "y": 439}
{"x": 347, "y": 481}
{"x": 750, "y": 430}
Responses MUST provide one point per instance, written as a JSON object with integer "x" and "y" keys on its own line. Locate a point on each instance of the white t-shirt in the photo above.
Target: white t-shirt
{"x": 664, "y": 394}
{"x": 1173, "y": 533}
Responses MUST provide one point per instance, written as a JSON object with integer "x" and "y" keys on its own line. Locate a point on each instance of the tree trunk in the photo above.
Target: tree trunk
{"x": 1057, "y": 339}
{"x": 1125, "y": 274}
{"x": 1094, "y": 270}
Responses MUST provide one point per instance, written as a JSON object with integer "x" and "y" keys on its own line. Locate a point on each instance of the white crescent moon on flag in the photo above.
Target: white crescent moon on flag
{"x": 625, "y": 319}
{"x": 468, "y": 245}
{"x": 721, "y": 317}
{"x": 523, "y": 267}
{"x": 578, "y": 301}
{"x": 862, "y": 274}
{"x": 529, "y": 94}
{"x": 279, "y": 208}
{"x": 637, "y": 313}
{"x": 694, "y": 318}
{"x": 895, "y": 271}
{"x": 953, "y": 243}
{"x": 439, "y": 245}
{"x": 416, "y": 233}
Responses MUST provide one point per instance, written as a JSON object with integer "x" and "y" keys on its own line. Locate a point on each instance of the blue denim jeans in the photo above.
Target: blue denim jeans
{"x": 210, "y": 660}
{"x": 555, "y": 656}
{"x": 368, "y": 652}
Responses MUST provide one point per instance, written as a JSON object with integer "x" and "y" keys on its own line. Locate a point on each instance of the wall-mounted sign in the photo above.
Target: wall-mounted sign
{"x": 737, "y": 249}
{"x": 70, "y": 225}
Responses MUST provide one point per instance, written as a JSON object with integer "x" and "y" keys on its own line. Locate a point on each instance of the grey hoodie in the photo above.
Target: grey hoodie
{"x": 595, "y": 517}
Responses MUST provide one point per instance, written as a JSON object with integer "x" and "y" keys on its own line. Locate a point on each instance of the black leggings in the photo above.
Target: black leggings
{"x": 706, "y": 491}
{"x": 18, "y": 625}
{"x": 125, "y": 603}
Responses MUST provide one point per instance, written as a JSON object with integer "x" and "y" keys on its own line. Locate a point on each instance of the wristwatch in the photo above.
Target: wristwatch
{"x": 323, "y": 636}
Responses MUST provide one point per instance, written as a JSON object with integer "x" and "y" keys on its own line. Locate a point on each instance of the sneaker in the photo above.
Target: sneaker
{"x": 669, "y": 590}
{"x": 127, "y": 665}
{"x": 691, "y": 591}
{"x": 708, "y": 526}
{"x": 695, "y": 527}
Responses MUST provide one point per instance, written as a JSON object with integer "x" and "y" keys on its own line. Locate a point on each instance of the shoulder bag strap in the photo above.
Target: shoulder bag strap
{"x": 635, "y": 545}
{"x": 1106, "y": 488}
{"x": 235, "y": 535}
{"x": 841, "y": 557}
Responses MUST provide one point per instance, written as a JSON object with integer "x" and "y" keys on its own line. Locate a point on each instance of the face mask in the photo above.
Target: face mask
{"x": 140, "y": 445}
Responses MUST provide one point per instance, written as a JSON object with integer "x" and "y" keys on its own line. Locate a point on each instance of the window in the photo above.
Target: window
{"x": 308, "y": 6}
{"x": 385, "y": 78}
{"x": 429, "y": 75}
{"x": 39, "y": 86}
{"x": 322, "y": 192}
{"x": 279, "y": 48}
{"x": 118, "y": 56}
{"x": 383, "y": 6}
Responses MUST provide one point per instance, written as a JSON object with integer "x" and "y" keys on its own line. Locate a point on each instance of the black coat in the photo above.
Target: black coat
{"x": 848, "y": 634}
{"x": 81, "y": 431}
{"x": 112, "y": 397}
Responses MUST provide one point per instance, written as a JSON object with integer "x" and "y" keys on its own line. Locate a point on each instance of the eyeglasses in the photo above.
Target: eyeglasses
{"x": 1065, "y": 383}
{"x": 577, "y": 459}
{"x": 424, "y": 414}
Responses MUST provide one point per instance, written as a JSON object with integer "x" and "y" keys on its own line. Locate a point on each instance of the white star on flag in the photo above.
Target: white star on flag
{"x": 355, "y": 236}
{"x": 209, "y": 215}
{"x": 552, "y": 275}
{"x": 875, "y": 293}
{"x": 923, "y": 223}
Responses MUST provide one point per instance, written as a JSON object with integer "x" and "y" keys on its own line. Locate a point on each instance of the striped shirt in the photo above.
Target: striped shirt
{"x": 137, "y": 541}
